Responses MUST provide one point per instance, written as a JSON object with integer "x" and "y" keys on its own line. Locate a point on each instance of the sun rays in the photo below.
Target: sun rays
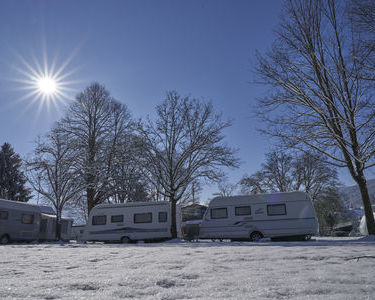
{"x": 45, "y": 83}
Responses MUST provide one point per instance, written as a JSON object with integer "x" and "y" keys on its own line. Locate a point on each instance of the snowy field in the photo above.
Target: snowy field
{"x": 325, "y": 268}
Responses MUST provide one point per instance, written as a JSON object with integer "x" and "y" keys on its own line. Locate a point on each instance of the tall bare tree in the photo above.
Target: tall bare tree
{"x": 183, "y": 145}
{"x": 321, "y": 90}
{"x": 51, "y": 172}
{"x": 95, "y": 123}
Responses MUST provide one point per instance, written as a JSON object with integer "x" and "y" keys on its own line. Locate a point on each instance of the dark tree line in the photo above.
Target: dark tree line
{"x": 12, "y": 179}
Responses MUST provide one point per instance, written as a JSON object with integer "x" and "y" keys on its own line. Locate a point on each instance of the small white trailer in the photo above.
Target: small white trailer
{"x": 20, "y": 221}
{"x": 132, "y": 221}
{"x": 252, "y": 217}
{"x": 47, "y": 230}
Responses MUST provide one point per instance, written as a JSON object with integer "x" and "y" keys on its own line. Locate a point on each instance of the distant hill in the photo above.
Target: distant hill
{"x": 352, "y": 196}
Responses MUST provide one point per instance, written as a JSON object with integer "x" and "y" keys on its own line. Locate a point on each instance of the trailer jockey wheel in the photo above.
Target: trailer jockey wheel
{"x": 256, "y": 236}
{"x": 4, "y": 239}
{"x": 125, "y": 240}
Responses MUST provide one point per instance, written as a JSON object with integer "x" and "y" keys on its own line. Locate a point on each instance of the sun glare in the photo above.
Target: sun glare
{"x": 47, "y": 85}
{"x": 45, "y": 82}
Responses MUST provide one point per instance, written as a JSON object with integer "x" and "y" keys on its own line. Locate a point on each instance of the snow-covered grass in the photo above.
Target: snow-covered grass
{"x": 325, "y": 268}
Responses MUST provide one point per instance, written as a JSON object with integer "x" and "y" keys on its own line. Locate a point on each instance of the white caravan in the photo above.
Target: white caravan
{"x": 252, "y": 217}
{"x": 20, "y": 221}
{"x": 131, "y": 221}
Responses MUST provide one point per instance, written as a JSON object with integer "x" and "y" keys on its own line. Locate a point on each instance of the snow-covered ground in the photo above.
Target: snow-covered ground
{"x": 325, "y": 268}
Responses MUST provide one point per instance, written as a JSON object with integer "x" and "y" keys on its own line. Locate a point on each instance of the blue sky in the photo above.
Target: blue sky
{"x": 139, "y": 50}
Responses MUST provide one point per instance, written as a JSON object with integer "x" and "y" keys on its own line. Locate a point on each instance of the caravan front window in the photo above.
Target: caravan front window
{"x": 219, "y": 213}
{"x": 3, "y": 215}
{"x": 276, "y": 210}
{"x": 27, "y": 219}
{"x": 99, "y": 220}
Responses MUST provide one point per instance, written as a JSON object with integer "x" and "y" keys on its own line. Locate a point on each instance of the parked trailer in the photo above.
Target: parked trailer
{"x": 20, "y": 221}
{"x": 131, "y": 221}
{"x": 253, "y": 217}
{"x": 48, "y": 228}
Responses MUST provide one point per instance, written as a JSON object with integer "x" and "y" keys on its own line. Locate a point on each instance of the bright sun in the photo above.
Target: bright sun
{"x": 47, "y": 85}
{"x": 45, "y": 81}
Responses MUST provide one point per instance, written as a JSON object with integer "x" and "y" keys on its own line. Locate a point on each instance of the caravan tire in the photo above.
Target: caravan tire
{"x": 125, "y": 240}
{"x": 256, "y": 236}
{"x": 4, "y": 239}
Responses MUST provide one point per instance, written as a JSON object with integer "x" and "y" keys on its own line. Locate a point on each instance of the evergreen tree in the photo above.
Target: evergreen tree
{"x": 12, "y": 179}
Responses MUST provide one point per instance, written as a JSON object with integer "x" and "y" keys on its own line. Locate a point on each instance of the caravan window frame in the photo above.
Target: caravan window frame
{"x": 4, "y": 215}
{"x": 25, "y": 220}
{"x": 237, "y": 208}
{"x": 163, "y": 217}
{"x": 216, "y": 209}
{"x": 117, "y": 219}
{"x": 275, "y": 205}
{"x": 148, "y": 220}
{"x": 94, "y": 220}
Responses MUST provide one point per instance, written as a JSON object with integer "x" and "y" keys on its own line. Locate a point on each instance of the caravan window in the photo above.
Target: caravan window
{"x": 99, "y": 220}
{"x": 219, "y": 213}
{"x": 27, "y": 219}
{"x": 117, "y": 219}
{"x": 143, "y": 218}
{"x": 163, "y": 215}
{"x": 3, "y": 215}
{"x": 276, "y": 210}
{"x": 242, "y": 211}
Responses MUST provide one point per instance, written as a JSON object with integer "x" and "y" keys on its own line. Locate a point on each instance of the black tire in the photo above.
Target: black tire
{"x": 307, "y": 237}
{"x": 125, "y": 240}
{"x": 4, "y": 239}
{"x": 256, "y": 236}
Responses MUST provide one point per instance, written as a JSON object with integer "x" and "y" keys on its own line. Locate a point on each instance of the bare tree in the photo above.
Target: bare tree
{"x": 185, "y": 144}
{"x": 287, "y": 172}
{"x": 315, "y": 176}
{"x": 278, "y": 173}
{"x": 226, "y": 188}
{"x": 95, "y": 122}
{"x": 51, "y": 172}
{"x": 321, "y": 93}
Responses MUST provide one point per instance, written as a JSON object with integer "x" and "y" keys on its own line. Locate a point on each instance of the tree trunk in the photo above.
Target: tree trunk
{"x": 58, "y": 225}
{"x": 90, "y": 199}
{"x": 366, "y": 204}
{"x": 173, "y": 212}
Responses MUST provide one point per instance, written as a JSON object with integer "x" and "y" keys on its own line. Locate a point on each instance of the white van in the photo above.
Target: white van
{"x": 252, "y": 217}
{"x": 131, "y": 221}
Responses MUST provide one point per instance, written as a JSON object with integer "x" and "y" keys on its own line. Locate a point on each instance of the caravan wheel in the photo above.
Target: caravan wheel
{"x": 125, "y": 240}
{"x": 4, "y": 240}
{"x": 256, "y": 236}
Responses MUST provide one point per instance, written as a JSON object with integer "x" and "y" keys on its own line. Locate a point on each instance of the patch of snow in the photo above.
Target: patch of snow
{"x": 322, "y": 268}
